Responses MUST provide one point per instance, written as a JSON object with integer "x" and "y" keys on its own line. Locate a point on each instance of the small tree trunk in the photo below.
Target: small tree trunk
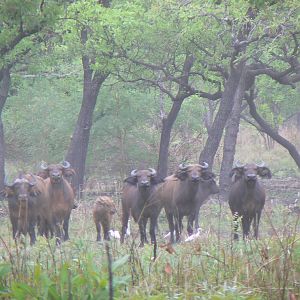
{"x": 230, "y": 138}
{"x": 167, "y": 124}
{"x": 4, "y": 88}
{"x": 225, "y": 108}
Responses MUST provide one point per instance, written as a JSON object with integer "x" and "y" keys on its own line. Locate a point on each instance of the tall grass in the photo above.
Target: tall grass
{"x": 211, "y": 267}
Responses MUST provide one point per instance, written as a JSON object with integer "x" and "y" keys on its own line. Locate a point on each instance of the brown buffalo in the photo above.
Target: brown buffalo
{"x": 104, "y": 209}
{"x": 247, "y": 196}
{"x": 136, "y": 201}
{"x": 61, "y": 197}
{"x": 68, "y": 174}
{"x": 26, "y": 203}
{"x": 183, "y": 193}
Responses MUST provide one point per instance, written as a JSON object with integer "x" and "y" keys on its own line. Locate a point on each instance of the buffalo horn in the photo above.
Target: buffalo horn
{"x": 44, "y": 165}
{"x": 65, "y": 164}
{"x": 238, "y": 164}
{"x": 261, "y": 165}
{"x": 183, "y": 166}
{"x": 133, "y": 172}
{"x": 204, "y": 166}
{"x": 153, "y": 172}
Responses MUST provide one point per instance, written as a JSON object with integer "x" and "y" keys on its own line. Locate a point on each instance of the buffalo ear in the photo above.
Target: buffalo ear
{"x": 235, "y": 174}
{"x": 69, "y": 172}
{"x": 7, "y": 192}
{"x": 156, "y": 180}
{"x": 264, "y": 172}
{"x": 131, "y": 180}
{"x": 43, "y": 174}
{"x": 182, "y": 175}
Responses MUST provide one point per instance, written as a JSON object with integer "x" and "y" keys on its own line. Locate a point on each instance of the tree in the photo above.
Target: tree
{"x": 19, "y": 25}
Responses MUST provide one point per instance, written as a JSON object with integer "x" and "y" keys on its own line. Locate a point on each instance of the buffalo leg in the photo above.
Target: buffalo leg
{"x": 171, "y": 226}
{"x": 66, "y": 228}
{"x": 178, "y": 227}
{"x": 14, "y": 229}
{"x": 256, "y": 224}
{"x": 98, "y": 228}
{"x": 142, "y": 231}
{"x": 235, "y": 225}
{"x": 125, "y": 218}
{"x": 32, "y": 233}
{"x": 191, "y": 219}
{"x": 145, "y": 233}
{"x": 58, "y": 232}
{"x": 153, "y": 223}
{"x": 105, "y": 227}
{"x": 246, "y": 226}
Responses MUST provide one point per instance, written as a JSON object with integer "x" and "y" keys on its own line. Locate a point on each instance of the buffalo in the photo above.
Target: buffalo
{"x": 247, "y": 196}
{"x": 27, "y": 203}
{"x": 103, "y": 210}
{"x": 183, "y": 193}
{"x": 61, "y": 197}
{"x": 138, "y": 188}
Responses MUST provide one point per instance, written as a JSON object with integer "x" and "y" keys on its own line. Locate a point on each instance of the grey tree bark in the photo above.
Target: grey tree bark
{"x": 4, "y": 89}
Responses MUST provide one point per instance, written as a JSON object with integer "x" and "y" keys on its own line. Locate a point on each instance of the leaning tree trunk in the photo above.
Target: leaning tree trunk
{"x": 165, "y": 137}
{"x": 4, "y": 88}
{"x": 271, "y": 132}
{"x": 225, "y": 108}
{"x": 231, "y": 133}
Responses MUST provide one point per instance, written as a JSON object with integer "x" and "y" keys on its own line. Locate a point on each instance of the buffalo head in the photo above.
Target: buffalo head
{"x": 249, "y": 172}
{"x": 208, "y": 182}
{"x": 22, "y": 188}
{"x": 143, "y": 178}
{"x": 192, "y": 172}
{"x": 56, "y": 171}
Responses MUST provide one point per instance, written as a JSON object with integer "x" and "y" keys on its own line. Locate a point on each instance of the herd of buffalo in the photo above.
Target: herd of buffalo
{"x": 45, "y": 201}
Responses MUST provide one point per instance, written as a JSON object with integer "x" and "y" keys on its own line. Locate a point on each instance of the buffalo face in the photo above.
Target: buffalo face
{"x": 208, "y": 181}
{"x": 56, "y": 171}
{"x": 249, "y": 172}
{"x": 21, "y": 189}
{"x": 191, "y": 172}
{"x": 142, "y": 178}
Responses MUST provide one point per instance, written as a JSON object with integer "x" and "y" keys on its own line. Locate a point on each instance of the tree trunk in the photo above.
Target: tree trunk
{"x": 78, "y": 147}
{"x": 230, "y": 138}
{"x": 4, "y": 88}
{"x": 225, "y": 108}
{"x": 167, "y": 124}
{"x": 271, "y": 132}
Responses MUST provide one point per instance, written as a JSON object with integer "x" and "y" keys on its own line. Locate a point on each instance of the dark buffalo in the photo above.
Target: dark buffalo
{"x": 183, "y": 193}
{"x": 61, "y": 196}
{"x": 103, "y": 211}
{"x": 136, "y": 201}
{"x": 22, "y": 198}
{"x": 247, "y": 196}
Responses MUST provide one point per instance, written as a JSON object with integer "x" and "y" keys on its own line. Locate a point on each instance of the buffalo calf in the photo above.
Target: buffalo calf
{"x": 104, "y": 209}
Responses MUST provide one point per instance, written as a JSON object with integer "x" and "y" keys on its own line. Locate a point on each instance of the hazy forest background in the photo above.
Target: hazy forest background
{"x": 113, "y": 86}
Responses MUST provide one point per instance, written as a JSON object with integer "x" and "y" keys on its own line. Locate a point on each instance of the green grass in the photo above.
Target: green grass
{"x": 211, "y": 267}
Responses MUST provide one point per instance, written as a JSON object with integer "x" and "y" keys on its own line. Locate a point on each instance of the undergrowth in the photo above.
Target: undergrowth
{"x": 210, "y": 267}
